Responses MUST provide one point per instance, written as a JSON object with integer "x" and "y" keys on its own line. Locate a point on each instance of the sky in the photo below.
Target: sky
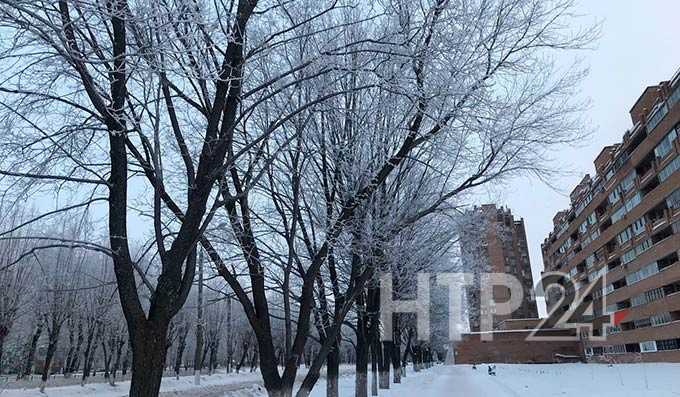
{"x": 638, "y": 47}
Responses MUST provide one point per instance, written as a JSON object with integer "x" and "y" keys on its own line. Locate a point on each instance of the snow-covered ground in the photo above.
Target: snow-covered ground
{"x": 621, "y": 380}
{"x": 535, "y": 380}
{"x": 241, "y": 385}
{"x": 245, "y": 384}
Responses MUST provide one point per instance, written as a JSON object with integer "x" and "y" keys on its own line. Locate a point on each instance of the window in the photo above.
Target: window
{"x": 614, "y": 196}
{"x": 646, "y": 297}
{"x": 583, "y": 227}
{"x": 633, "y": 201}
{"x": 666, "y": 144}
{"x": 661, "y": 318}
{"x": 673, "y": 201}
{"x": 586, "y": 241}
{"x": 639, "y": 225}
{"x": 643, "y": 323}
{"x": 668, "y": 170}
{"x": 618, "y": 214}
{"x": 638, "y": 300}
{"x": 612, "y": 308}
{"x": 657, "y": 115}
{"x": 655, "y": 294}
{"x": 625, "y": 235}
{"x": 675, "y": 96}
{"x": 565, "y": 246}
{"x": 609, "y": 174}
{"x": 628, "y": 256}
{"x": 595, "y": 275}
{"x": 614, "y": 329}
{"x": 647, "y": 271}
{"x": 590, "y": 261}
{"x": 592, "y": 218}
{"x": 628, "y": 182}
{"x": 668, "y": 344}
{"x": 573, "y": 272}
{"x": 648, "y": 346}
{"x": 615, "y": 349}
{"x": 595, "y": 234}
{"x": 643, "y": 246}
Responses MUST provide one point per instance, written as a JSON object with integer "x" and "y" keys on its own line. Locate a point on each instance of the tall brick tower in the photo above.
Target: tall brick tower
{"x": 493, "y": 241}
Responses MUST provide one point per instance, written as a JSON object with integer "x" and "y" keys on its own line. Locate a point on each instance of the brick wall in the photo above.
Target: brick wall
{"x": 512, "y": 347}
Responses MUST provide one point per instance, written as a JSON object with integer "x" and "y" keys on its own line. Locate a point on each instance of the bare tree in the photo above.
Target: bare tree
{"x": 58, "y": 298}
{"x": 13, "y": 288}
{"x": 313, "y": 116}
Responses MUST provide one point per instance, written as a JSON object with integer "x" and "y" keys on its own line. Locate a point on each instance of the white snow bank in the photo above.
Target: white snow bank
{"x": 242, "y": 382}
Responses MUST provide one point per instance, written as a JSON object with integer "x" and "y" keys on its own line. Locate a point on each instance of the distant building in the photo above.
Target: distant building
{"x": 493, "y": 241}
{"x": 624, "y": 223}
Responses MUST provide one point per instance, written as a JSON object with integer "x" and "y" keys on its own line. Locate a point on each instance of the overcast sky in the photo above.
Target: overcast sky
{"x": 639, "y": 47}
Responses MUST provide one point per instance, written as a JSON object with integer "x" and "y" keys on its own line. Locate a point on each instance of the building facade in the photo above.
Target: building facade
{"x": 624, "y": 224}
{"x": 493, "y": 241}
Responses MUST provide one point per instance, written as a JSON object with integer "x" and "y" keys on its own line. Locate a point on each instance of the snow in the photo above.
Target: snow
{"x": 241, "y": 385}
{"x": 534, "y": 380}
{"x": 526, "y": 380}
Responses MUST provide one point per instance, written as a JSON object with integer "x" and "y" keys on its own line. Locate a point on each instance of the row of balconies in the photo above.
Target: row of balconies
{"x": 654, "y": 217}
{"x": 581, "y": 283}
{"x": 649, "y": 166}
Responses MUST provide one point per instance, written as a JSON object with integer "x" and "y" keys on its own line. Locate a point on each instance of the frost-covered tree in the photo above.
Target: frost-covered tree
{"x": 287, "y": 139}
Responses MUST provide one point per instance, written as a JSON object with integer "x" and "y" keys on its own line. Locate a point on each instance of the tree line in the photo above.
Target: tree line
{"x": 297, "y": 148}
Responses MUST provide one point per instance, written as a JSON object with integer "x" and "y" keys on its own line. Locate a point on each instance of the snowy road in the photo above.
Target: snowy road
{"x": 623, "y": 380}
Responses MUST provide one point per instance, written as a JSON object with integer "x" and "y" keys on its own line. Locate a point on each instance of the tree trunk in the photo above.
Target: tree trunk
{"x": 88, "y": 354}
{"x": 385, "y": 364}
{"x": 30, "y": 354}
{"x": 3, "y": 334}
{"x": 230, "y": 337}
{"x": 180, "y": 352}
{"x": 396, "y": 363}
{"x": 361, "y": 365}
{"x": 333, "y": 370}
{"x": 408, "y": 350}
{"x": 214, "y": 348}
{"x": 253, "y": 360}
{"x": 49, "y": 355}
{"x": 204, "y": 355}
{"x": 373, "y": 306}
{"x": 149, "y": 350}
{"x": 198, "y": 353}
{"x": 87, "y": 364}
{"x": 75, "y": 361}
{"x": 71, "y": 350}
{"x": 126, "y": 361}
{"x": 374, "y": 370}
{"x": 116, "y": 364}
{"x": 108, "y": 357}
{"x": 242, "y": 361}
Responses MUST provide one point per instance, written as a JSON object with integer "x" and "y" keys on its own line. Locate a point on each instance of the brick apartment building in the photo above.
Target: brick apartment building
{"x": 624, "y": 223}
{"x": 494, "y": 241}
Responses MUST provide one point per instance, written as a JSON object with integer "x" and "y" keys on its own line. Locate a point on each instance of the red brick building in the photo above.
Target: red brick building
{"x": 496, "y": 242}
{"x": 624, "y": 223}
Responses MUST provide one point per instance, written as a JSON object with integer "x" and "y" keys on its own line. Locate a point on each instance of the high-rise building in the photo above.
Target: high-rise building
{"x": 624, "y": 224}
{"x": 493, "y": 241}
